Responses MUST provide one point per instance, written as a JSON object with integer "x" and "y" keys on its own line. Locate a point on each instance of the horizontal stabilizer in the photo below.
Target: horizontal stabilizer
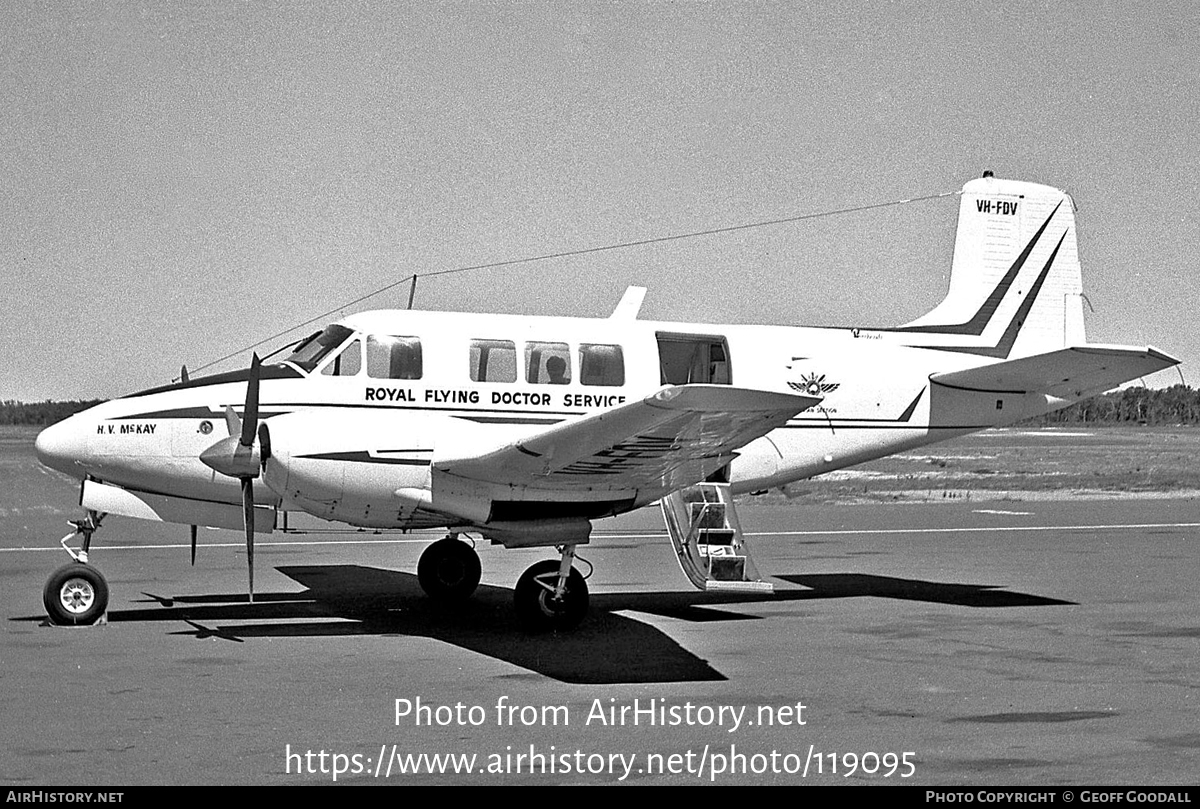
{"x": 671, "y": 438}
{"x": 1069, "y": 373}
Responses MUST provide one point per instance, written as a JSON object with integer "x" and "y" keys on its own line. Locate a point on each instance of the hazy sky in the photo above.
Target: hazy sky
{"x": 182, "y": 179}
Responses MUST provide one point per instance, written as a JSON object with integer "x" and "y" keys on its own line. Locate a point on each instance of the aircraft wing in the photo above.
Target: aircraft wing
{"x": 1068, "y": 373}
{"x": 673, "y": 437}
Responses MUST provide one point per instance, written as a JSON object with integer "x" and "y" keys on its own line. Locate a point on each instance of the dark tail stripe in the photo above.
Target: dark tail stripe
{"x": 1004, "y": 347}
{"x": 978, "y": 323}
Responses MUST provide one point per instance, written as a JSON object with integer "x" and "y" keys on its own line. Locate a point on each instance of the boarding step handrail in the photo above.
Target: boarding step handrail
{"x": 712, "y": 550}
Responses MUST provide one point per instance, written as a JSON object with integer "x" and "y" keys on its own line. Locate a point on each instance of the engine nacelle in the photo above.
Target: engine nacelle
{"x": 371, "y": 469}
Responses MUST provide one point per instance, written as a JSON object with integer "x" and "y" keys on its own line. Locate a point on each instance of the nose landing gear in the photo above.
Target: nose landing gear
{"x": 76, "y": 594}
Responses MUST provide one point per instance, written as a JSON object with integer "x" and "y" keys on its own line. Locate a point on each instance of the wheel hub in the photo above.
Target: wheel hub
{"x": 550, "y": 603}
{"x": 450, "y": 571}
{"x": 77, "y": 596}
{"x": 551, "y": 606}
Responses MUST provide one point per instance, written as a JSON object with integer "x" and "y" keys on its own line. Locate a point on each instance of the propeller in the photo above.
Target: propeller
{"x": 238, "y": 456}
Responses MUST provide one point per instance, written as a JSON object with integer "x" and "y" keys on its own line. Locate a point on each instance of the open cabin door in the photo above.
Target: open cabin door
{"x": 687, "y": 359}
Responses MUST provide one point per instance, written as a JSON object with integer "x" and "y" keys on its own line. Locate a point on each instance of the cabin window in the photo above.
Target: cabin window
{"x": 493, "y": 361}
{"x": 308, "y": 354}
{"x": 391, "y": 357}
{"x": 601, "y": 365}
{"x": 348, "y": 363}
{"x": 547, "y": 363}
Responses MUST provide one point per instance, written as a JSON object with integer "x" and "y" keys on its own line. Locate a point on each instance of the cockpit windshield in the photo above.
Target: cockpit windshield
{"x": 308, "y": 355}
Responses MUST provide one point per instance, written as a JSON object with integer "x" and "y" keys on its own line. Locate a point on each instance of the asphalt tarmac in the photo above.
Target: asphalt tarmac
{"x": 958, "y": 643}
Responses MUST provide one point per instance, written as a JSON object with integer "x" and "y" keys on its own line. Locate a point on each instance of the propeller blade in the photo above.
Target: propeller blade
{"x": 183, "y": 374}
{"x": 193, "y": 546}
{"x": 232, "y": 423}
{"x": 250, "y": 417}
{"x": 248, "y": 512}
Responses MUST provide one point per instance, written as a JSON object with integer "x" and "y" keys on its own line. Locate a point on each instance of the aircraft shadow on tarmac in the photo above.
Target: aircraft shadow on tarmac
{"x": 607, "y": 648}
{"x": 853, "y": 585}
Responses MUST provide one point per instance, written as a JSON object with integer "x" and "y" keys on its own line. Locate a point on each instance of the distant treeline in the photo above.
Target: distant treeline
{"x": 41, "y": 413}
{"x": 1178, "y": 404}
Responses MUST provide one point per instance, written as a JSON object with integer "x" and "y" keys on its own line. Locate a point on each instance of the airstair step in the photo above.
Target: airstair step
{"x": 716, "y": 536}
{"x": 709, "y": 544}
{"x": 714, "y": 586}
{"x": 727, "y": 568}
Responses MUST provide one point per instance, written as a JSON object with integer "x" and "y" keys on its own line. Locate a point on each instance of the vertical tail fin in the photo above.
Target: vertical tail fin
{"x": 1015, "y": 283}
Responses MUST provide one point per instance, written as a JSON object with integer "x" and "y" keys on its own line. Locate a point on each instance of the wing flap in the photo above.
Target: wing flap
{"x": 1068, "y": 373}
{"x": 638, "y": 444}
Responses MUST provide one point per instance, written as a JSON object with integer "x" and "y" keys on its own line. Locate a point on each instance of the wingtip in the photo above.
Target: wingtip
{"x": 1163, "y": 356}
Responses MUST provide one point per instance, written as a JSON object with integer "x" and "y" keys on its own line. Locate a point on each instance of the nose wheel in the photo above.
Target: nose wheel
{"x": 75, "y": 595}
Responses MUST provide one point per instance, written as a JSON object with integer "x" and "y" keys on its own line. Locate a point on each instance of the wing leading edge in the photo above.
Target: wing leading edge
{"x": 671, "y": 438}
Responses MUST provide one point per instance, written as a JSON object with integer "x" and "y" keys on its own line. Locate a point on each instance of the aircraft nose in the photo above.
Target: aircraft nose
{"x": 61, "y": 445}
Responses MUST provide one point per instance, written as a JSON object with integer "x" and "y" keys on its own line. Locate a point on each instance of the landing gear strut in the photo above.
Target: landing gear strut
{"x": 76, "y": 594}
{"x": 552, "y": 595}
{"x": 449, "y": 569}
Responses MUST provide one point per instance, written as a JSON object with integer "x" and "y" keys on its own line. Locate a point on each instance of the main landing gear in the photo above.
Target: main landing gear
{"x": 76, "y": 594}
{"x": 550, "y": 596}
{"x": 449, "y": 569}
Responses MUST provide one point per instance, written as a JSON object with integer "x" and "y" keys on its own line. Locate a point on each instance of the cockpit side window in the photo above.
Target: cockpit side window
{"x": 393, "y": 357}
{"x": 316, "y": 348}
{"x": 547, "y": 363}
{"x": 493, "y": 361}
{"x": 347, "y": 363}
{"x": 601, "y": 365}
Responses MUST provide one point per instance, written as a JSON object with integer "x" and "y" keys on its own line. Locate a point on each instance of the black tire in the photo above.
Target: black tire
{"x": 75, "y": 595}
{"x": 449, "y": 570}
{"x": 536, "y": 606}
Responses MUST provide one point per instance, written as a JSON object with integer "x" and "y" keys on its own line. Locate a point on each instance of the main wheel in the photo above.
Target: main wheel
{"x": 75, "y": 594}
{"x": 449, "y": 570}
{"x": 536, "y": 605}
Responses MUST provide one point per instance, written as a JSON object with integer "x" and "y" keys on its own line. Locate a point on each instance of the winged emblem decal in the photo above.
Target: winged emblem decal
{"x": 814, "y": 385}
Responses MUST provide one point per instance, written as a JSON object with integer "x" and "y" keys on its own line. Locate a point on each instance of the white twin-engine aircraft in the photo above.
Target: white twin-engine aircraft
{"x": 523, "y": 430}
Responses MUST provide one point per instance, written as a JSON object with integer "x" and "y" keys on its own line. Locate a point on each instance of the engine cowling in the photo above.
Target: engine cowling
{"x": 366, "y": 468}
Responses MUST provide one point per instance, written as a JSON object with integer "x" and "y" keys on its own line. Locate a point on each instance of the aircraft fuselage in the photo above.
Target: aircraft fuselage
{"x": 383, "y": 430}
